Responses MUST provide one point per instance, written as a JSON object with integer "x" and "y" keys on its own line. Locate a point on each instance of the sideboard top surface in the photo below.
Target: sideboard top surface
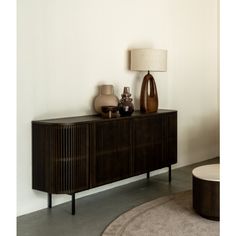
{"x": 92, "y": 118}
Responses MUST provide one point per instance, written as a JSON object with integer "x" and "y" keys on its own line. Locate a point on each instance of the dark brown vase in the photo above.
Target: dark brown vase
{"x": 148, "y": 99}
{"x": 125, "y": 105}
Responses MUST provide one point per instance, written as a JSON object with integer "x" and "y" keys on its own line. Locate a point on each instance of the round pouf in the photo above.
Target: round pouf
{"x": 206, "y": 193}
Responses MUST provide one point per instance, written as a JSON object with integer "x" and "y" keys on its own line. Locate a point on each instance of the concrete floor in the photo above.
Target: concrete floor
{"x": 95, "y": 212}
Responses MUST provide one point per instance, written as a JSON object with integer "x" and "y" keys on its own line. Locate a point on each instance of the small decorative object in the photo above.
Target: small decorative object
{"x": 106, "y": 97}
{"x": 148, "y": 60}
{"x": 125, "y": 105}
{"x": 109, "y": 111}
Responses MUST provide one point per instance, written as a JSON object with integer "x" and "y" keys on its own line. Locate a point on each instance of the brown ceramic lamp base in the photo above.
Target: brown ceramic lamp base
{"x": 148, "y": 97}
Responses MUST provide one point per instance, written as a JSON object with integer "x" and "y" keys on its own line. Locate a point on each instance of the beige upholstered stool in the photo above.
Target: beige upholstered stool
{"x": 206, "y": 184}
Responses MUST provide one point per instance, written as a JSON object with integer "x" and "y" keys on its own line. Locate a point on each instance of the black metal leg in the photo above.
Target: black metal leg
{"x": 148, "y": 175}
{"x": 169, "y": 173}
{"x": 73, "y": 204}
{"x": 49, "y": 200}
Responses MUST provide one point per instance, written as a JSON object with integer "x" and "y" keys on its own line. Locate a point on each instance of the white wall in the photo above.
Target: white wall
{"x": 66, "y": 48}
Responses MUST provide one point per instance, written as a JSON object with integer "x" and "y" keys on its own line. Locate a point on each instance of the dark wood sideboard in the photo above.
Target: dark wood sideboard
{"x": 77, "y": 153}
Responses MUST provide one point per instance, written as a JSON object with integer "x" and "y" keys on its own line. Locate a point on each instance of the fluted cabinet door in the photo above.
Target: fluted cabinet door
{"x": 60, "y": 158}
{"x": 148, "y": 144}
{"x": 112, "y": 157}
{"x": 170, "y": 149}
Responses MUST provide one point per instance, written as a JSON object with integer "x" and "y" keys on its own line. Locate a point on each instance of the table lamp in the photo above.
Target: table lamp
{"x": 148, "y": 59}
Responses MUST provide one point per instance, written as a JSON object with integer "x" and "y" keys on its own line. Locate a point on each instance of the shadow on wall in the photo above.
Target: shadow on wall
{"x": 202, "y": 138}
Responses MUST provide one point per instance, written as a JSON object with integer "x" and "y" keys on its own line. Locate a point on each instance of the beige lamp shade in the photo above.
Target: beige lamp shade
{"x": 148, "y": 59}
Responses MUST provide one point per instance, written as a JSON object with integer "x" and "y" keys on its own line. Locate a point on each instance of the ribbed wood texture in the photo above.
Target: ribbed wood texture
{"x": 170, "y": 148}
{"x": 206, "y": 198}
{"x": 60, "y": 158}
{"x": 77, "y": 153}
{"x": 148, "y": 144}
{"x": 113, "y": 151}
{"x": 155, "y": 142}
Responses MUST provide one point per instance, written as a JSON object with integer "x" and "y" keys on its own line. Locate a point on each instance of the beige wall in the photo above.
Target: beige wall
{"x": 67, "y": 48}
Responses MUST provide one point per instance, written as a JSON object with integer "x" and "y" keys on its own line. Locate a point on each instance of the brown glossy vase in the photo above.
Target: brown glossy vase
{"x": 125, "y": 105}
{"x": 148, "y": 97}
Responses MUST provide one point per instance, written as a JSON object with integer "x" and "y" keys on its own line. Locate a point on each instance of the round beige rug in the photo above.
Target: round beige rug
{"x": 166, "y": 216}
